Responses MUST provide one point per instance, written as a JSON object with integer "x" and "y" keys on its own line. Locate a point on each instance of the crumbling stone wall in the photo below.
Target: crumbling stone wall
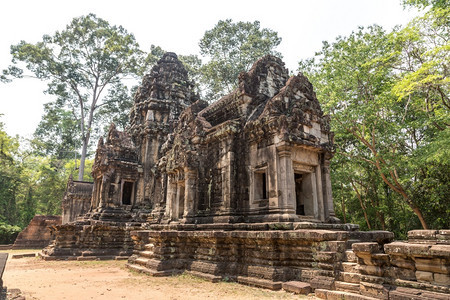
{"x": 415, "y": 269}
{"x": 77, "y": 200}
{"x": 259, "y": 254}
{"x": 90, "y": 242}
{"x": 37, "y": 234}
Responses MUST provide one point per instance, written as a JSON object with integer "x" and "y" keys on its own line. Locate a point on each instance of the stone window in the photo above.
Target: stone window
{"x": 127, "y": 192}
{"x": 260, "y": 185}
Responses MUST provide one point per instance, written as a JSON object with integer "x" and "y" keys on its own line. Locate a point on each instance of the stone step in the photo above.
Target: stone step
{"x": 142, "y": 261}
{"x": 349, "y": 267}
{"x": 263, "y": 283}
{"x": 142, "y": 269}
{"x": 206, "y": 276}
{"x": 147, "y": 254}
{"x": 347, "y": 286}
{"x": 350, "y": 256}
{"x": 149, "y": 247}
{"x": 349, "y": 277}
{"x": 297, "y": 287}
{"x": 338, "y": 295}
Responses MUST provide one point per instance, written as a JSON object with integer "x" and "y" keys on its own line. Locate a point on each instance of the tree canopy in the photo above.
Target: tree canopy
{"x": 387, "y": 94}
{"x": 230, "y": 49}
{"x": 80, "y": 64}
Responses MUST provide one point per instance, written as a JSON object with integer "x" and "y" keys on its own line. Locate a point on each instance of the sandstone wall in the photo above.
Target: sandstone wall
{"x": 37, "y": 234}
{"x": 86, "y": 242}
{"x": 264, "y": 258}
{"x": 415, "y": 269}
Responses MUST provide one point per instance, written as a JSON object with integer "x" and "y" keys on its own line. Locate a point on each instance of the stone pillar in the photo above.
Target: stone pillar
{"x": 286, "y": 181}
{"x": 314, "y": 195}
{"x": 190, "y": 192}
{"x": 178, "y": 200}
{"x": 171, "y": 186}
{"x": 319, "y": 192}
{"x": 226, "y": 166}
{"x": 328, "y": 197}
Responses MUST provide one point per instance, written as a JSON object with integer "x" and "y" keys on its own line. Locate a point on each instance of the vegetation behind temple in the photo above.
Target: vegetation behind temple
{"x": 387, "y": 94}
{"x": 388, "y": 97}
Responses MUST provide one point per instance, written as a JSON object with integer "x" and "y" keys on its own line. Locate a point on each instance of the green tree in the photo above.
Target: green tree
{"x": 10, "y": 171}
{"x": 231, "y": 48}
{"x": 422, "y": 4}
{"x": 384, "y": 141}
{"x": 80, "y": 64}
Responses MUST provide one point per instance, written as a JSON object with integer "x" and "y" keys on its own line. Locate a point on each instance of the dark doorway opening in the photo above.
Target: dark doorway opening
{"x": 181, "y": 202}
{"x": 300, "y": 209}
{"x": 127, "y": 192}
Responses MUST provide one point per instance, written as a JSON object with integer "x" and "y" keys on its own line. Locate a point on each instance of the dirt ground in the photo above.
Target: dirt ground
{"x": 38, "y": 279}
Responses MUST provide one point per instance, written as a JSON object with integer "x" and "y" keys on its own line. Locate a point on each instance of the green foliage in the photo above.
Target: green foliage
{"x": 422, "y": 4}
{"x": 232, "y": 48}
{"x": 8, "y": 233}
{"x": 32, "y": 184}
{"x": 80, "y": 64}
{"x": 388, "y": 97}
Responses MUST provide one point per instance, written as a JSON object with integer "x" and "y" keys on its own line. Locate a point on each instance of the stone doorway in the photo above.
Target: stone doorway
{"x": 127, "y": 192}
{"x": 299, "y": 198}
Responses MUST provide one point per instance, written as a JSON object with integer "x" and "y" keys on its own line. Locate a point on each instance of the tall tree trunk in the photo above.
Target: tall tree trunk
{"x": 362, "y": 205}
{"x": 420, "y": 216}
{"x": 394, "y": 185}
{"x": 343, "y": 205}
{"x": 83, "y": 156}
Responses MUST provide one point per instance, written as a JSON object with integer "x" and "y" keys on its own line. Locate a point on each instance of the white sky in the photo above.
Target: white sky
{"x": 178, "y": 25}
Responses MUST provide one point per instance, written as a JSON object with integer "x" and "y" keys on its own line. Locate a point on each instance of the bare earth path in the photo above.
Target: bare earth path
{"x": 38, "y": 279}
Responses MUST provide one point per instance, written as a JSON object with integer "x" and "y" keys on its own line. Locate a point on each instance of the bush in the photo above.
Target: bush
{"x": 8, "y": 233}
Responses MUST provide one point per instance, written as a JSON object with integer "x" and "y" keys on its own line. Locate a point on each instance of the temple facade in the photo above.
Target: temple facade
{"x": 259, "y": 154}
{"x": 237, "y": 190}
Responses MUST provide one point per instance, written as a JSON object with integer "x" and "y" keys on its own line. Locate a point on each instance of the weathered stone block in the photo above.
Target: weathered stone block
{"x": 422, "y": 234}
{"x": 366, "y": 248}
{"x": 371, "y": 270}
{"x": 402, "y": 273}
{"x": 443, "y": 279}
{"x": 297, "y": 287}
{"x": 424, "y": 276}
{"x": 436, "y": 265}
{"x": 374, "y": 290}
{"x": 402, "y": 261}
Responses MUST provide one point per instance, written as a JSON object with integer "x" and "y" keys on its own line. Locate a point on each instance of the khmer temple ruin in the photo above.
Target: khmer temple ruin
{"x": 240, "y": 190}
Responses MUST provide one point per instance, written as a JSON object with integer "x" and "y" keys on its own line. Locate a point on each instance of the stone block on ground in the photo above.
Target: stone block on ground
{"x": 297, "y": 287}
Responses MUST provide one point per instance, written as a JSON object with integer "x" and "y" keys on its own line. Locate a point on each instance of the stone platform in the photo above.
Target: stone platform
{"x": 415, "y": 269}
{"x": 37, "y": 234}
{"x": 99, "y": 240}
{"x": 263, "y": 255}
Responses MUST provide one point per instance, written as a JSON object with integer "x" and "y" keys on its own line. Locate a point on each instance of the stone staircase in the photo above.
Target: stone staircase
{"x": 348, "y": 278}
{"x": 140, "y": 261}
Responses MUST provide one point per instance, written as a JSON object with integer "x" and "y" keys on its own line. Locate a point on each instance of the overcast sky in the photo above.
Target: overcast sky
{"x": 178, "y": 26}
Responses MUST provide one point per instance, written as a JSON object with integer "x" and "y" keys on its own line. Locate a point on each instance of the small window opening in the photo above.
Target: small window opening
{"x": 127, "y": 192}
{"x": 264, "y": 187}
{"x": 260, "y": 185}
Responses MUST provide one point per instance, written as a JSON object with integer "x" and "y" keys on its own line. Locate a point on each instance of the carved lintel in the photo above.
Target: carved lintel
{"x": 298, "y": 167}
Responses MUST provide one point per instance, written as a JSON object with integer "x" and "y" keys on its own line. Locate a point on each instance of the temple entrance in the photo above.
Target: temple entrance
{"x": 127, "y": 192}
{"x": 300, "y": 204}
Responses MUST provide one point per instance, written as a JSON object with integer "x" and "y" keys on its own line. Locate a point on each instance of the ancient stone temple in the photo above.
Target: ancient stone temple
{"x": 238, "y": 189}
{"x": 77, "y": 200}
